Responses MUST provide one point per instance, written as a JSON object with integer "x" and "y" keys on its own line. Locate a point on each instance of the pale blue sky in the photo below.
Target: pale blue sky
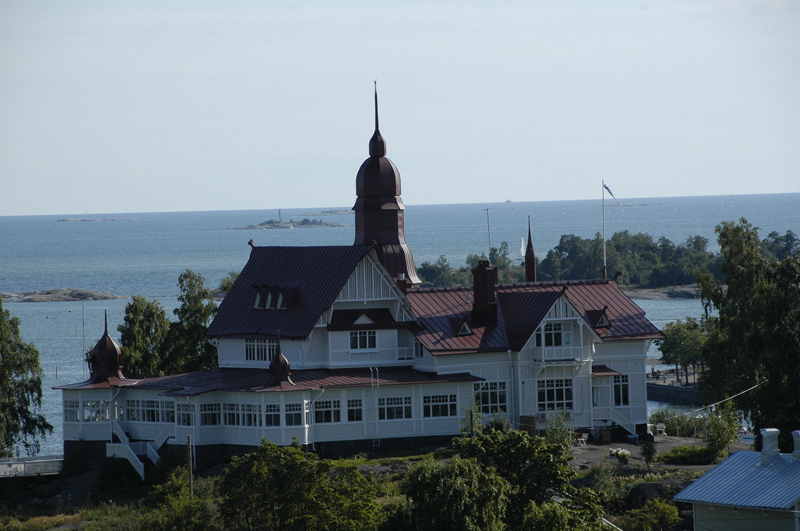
{"x": 138, "y": 106}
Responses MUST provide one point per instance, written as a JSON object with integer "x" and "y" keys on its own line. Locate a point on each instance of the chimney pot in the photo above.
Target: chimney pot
{"x": 769, "y": 444}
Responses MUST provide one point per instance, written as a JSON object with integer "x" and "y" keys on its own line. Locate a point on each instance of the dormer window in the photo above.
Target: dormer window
{"x": 603, "y": 321}
{"x": 465, "y": 330}
{"x": 363, "y": 340}
{"x": 273, "y": 298}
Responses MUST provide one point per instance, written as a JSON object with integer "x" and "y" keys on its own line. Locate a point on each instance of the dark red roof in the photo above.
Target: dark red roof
{"x": 317, "y": 274}
{"x": 256, "y": 380}
{"x": 521, "y": 308}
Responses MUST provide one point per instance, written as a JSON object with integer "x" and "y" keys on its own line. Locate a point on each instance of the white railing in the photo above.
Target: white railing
{"x": 385, "y": 355}
{"x": 119, "y": 432}
{"x": 30, "y": 466}
{"x": 622, "y": 421}
{"x": 167, "y": 432}
{"x": 125, "y": 452}
{"x": 152, "y": 454}
{"x": 561, "y": 353}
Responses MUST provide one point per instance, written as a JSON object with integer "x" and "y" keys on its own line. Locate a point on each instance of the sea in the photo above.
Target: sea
{"x": 138, "y": 253}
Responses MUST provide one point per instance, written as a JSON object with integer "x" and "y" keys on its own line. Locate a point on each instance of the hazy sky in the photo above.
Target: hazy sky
{"x": 110, "y": 107}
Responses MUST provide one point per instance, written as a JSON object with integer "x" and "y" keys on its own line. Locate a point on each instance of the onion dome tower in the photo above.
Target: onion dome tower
{"x": 279, "y": 369}
{"x": 379, "y": 210}
{"x": 106, "y": 359}
{"x": 530, "y": 258}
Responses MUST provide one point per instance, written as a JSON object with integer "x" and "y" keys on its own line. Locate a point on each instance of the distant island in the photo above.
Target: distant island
{"x": 291, "y": 224}
{"x": 72, "y": 220}
{"x": 330, "y": 213}
{"x": 58, "y": 295}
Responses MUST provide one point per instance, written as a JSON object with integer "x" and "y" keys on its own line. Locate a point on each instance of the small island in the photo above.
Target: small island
{"x": 58, "y": 295}
{"x": 291, "y": 224}
{"x": 75, "y": 220}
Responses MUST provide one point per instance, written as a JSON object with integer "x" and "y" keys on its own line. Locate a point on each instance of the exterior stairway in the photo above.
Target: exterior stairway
{"x": 132, "y": 450}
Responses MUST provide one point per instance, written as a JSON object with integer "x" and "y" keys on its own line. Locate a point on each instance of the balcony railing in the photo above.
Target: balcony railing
{"x": 561, "y": 353}
{"x": 383, "y": 354}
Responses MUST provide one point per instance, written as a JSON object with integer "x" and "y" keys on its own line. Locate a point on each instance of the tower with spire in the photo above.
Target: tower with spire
{"x": 530, "y": 257}
{"x": 379, "y": 210}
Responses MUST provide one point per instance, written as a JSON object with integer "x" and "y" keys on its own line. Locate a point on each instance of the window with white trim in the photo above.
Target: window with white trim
{"x": 394, "y": 407}
{"x": 260, "y": 349}
{"x": 553, "y": 395}
{"x": 363, "y": 340}
{"x": 555, "y": 335}
{"x": 294, "y": 414}
{"x": 491, "y": 397}
{"x": 272, "y": 415}
{"x": 209, "y": 415}
{"x": 419, "y": 351}
{"x": 251, "y": 415}
{"x": 621, "y": 390}
{"x": 439, "y": 406}
{"x": 326, "y": 411}
{"x": 230, "y": 414}
{"x": 185, "y": 414}
{"x": 71, "y": 408}
{"x": 355, "y": 411}
{"x": 95, "y": 410}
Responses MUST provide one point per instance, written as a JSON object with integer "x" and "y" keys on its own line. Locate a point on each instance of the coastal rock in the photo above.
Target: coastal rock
{"x": 58, "y": 295}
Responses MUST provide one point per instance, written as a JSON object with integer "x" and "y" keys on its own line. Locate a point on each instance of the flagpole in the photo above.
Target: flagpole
{"x": 603, "y": 191}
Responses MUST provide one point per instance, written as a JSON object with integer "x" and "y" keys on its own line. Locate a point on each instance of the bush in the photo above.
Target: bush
{"x": 656, "y": 514}
{"x": 689, "y": 455}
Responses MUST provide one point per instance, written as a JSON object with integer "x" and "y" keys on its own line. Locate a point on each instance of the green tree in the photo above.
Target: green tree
{"x": 681, "y": 344}
{"x": 722, "y": 427}
{"x": 143, "y": 334}
{"x": 536, "y": 469}
{"x": 21, "y": 422}
{"x": 579, "y": 512}
{"x": 285, "y": 488}
{"x": 174, "y": 508}
{"x": 186, "y": 347}
{"x": 755, "y": 339}
{"x": 460, "y": 495}
{"x": 226, "y": 283}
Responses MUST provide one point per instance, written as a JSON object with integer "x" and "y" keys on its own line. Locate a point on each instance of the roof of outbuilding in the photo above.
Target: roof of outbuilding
{"x": 257, "y": 380}
{"x": 742, "y": 480}
{"x": 317, "y": 273}
{"x": 521, "y": 308}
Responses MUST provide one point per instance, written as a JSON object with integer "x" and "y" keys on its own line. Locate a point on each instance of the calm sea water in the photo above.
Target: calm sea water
{"x": 144, "y": 254}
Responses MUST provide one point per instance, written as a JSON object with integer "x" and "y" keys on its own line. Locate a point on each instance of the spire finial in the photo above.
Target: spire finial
{"x": 530, "y": 257}
{"x": 377, "y": 145}
{"x": 106, "y": 312}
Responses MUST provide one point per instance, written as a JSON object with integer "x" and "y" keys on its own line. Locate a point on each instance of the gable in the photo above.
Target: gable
{"x": 368, "y": 282}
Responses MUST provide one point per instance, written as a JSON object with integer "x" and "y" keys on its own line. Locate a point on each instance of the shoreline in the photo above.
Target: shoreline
{"x": 59, "y": 295}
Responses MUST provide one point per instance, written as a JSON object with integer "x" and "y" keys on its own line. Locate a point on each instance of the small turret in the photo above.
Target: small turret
{"x": 106, "y": 359}
{"x": 530, "y": 257}
{"x": 279, "y": 369}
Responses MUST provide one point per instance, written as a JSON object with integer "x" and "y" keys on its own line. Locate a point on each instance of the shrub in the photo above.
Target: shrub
{"x": 688, "y": 455}
{"x": 656, "y": 514}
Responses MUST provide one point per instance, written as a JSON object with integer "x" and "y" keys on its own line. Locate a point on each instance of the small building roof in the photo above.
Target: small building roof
{"x": 315, "y": 274}
{"x": 742, "y": 480}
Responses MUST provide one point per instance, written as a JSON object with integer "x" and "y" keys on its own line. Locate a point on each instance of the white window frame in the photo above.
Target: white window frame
{"x": 184, "y": 414}
{"x": 72, "y": 409}
{"x": 491, "y": 397}
{"x": 622, "y": 396}
{"x": 272, "y": 415}
{"x": 434, "y": 406}
{"x": 365, "y": 340}
{"x": 555, "y": 335}
{"x": 294, "y": 414}
{"x": 555, "y": 394}
{"x": 230, "y": 415}
{"x": 327, "y": 411}
{"x": 210, "y": 414}
{"x": 355, "y": 410}
{"x": 395, "y": 408}
{"x": 95, "y": 410}
{"x": 419, "y": 350}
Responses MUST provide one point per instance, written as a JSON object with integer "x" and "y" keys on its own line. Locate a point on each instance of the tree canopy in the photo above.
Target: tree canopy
{"x": 284, "y": 488}
{"x": 682, "y": 342}
{"x": 21, "y": 422}
{"x": 754, "y": 332}
{"x": 152, "y": 345}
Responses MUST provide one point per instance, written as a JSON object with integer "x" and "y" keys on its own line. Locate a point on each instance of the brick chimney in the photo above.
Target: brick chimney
{"x": 769, "y": 444}
{"x": 484, "y": 304}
